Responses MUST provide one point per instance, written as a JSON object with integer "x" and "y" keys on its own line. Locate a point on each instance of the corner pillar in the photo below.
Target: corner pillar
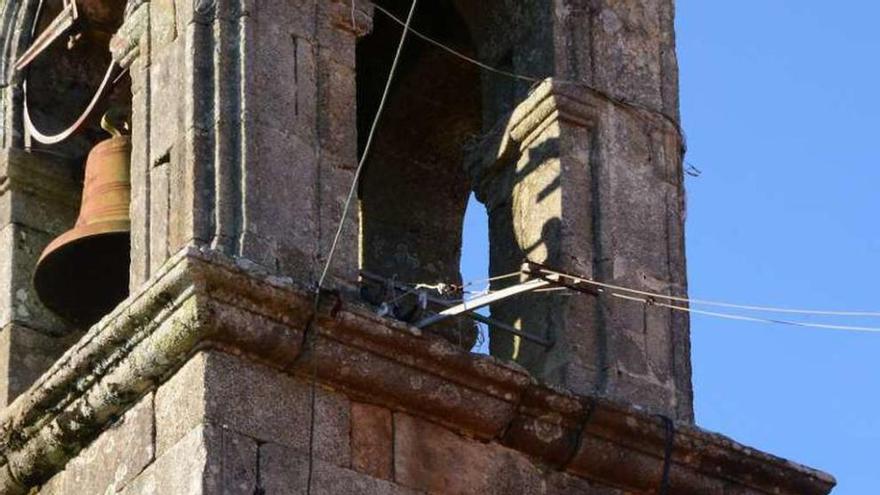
{"x": 589, "y": 186}
{"x": 39, "y": 199}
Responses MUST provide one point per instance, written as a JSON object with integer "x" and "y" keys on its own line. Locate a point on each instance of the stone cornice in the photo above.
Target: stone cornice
{"x": 202, "y": 300}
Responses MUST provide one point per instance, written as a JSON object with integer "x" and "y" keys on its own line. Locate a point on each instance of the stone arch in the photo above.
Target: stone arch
{"x": 15, "y": 21}
{"x": 414, "y": 188}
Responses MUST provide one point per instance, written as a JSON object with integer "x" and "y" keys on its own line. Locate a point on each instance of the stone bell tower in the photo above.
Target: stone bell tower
{"x": 218, "y": 373}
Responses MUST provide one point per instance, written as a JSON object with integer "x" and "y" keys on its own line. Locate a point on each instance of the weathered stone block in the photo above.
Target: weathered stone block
{"x": 372, "y": 448}
{"x": 119, "y": 455}
{"x": 208, "y": 460}
{"x": 337, "y": 121}
{"x": 160, "y": 215}
{"x": 627, "y": 61}
{"x": 283, "y": 74}
{"x": 180, "y": 201}
{"x": 285, "y": 472}
{"x": 430, "y": 458}
{"x": 52, "y": 215}
{"x": 18, "y": 299}
{"x": 281, "y": 218}
{"x": 140, "y": 180}
{"x": 38, "y": 190}
{"x": 167, "y": 88}
{"x": 253, "y": 400}
{"x": 24, "y": 355}
{"x": 335, "y": 183}
{"x": 163, "y": 23}
{"x": 565, "y": 484}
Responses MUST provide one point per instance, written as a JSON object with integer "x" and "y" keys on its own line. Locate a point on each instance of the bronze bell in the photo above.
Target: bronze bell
{"x": 83, "y": 274}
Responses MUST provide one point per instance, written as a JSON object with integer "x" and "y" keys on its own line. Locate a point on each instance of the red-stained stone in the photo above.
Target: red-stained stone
{"x": 371, "y": 440}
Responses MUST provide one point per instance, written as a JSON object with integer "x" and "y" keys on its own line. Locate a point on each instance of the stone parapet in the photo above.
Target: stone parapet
{"x": 188, "y": 344}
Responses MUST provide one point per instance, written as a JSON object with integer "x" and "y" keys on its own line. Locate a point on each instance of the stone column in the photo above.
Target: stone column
{"x": 39, "y": 199}
{"x": 585, "y": 175}
{"x": 244, "y": 132}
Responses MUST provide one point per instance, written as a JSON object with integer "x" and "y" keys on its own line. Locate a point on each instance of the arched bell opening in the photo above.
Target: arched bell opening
{"x": 61, "y": 82}
{"x": 414, "y": 189}
{"x": 75, "y": 106}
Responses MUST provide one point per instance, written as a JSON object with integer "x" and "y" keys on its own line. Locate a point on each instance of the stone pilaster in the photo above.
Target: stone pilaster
{"x": 590, "y": 186}
{"x": 244, "y": 132}
{"x": 39, "y": 199}
{"x": 583, "y": 172}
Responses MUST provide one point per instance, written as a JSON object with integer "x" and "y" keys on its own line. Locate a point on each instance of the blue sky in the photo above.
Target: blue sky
{"x": 779, "y": 101}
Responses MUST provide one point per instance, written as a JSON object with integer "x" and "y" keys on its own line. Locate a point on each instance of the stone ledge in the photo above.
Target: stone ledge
{"x": 202, "y": 300}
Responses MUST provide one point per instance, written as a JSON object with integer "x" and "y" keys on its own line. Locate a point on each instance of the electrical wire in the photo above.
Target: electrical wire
{"x": 339, "y": 230}
{"x": 650, "y": 299}
{"x": 754, "y": 319}
{"x": 534, "y": 80}
{"x": 366, "y": 152}
{"x": 457, "y": 53}
{"x": 706, "y": 302}
{"x": 493, "y": 279}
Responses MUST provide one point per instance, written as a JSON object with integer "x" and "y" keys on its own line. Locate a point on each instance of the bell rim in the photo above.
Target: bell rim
{"x": 66, "y": 241}
{"x": 109, "y": 227}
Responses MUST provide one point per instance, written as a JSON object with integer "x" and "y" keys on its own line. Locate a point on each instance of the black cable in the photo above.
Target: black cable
{"x": 669, "y": 426}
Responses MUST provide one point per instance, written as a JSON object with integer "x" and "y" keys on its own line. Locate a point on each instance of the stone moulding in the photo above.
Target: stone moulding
{"x": 201, "y": 299}
{"x": 552, "y": 102}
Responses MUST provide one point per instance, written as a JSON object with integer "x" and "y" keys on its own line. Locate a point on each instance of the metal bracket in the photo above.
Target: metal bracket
{"x": 560, "y": 280}
{"x": 59, "y": 26}
{"x": 482, "y": 301}
{"x": 469, "y": 313}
